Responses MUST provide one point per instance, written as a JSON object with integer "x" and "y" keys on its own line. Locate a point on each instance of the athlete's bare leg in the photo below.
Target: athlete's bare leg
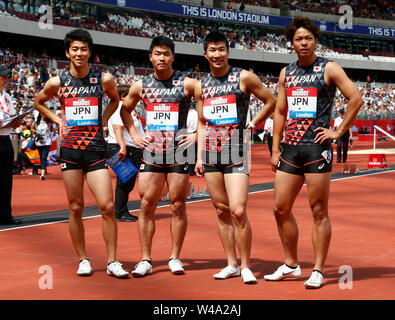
{"x": 216, "y": 186}
{"x": 318, "y": 185}
{"x": 150, "y": 188}
{"x": 178, "y": 192}
{"x": 99, "y": 182}
{"x": 286, "y": 188}
{"x": 237, "y": 190}
{"x": 74, "y": 185}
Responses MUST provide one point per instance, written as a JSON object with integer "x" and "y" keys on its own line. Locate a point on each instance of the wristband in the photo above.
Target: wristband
{"x": 252, "y": 125}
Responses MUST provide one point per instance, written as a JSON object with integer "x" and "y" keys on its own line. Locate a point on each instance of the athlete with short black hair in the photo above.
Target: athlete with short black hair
{"x": 307, "y": 89}
{"x": 166, "y": 95}
{"x": 82, "y": 146}
{"x": 222, "y": 100}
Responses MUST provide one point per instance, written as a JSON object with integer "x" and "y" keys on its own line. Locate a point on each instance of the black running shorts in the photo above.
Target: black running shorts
{"x": 226, "y": 163}
{"x": 301, "y": 159}
{"x": 85, "y": 160}
{"x": 164, "y": 168}
{"x": 241, "y": 168}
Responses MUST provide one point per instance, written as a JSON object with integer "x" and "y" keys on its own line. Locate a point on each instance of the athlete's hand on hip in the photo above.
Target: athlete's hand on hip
{"x": 325, "y": 134}
{"x": 199, "y": 168}
{"x": 142, "y": 142}
{"x": 275, "y": 160}
{"x": 186, "y": 140}
{"x": 122, "y": 152}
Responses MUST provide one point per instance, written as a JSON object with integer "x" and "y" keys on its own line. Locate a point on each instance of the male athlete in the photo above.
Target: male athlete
{"x": 166, "y": 96}
{"x": 82, "y": 146}
{"x": 222, "y": 100}
{"x": 307, "y": 88}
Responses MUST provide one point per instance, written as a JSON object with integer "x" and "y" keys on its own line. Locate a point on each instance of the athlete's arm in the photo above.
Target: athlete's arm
{"x": 250, "y": 82}
{"x": 200, "y": 130}
{"x": 128, "y": 105}
{"x": 110, "y": 89}
{"x": 188, "y": 139}
{"x": 50, "y": 89}
{"x": 279, "y": 119}
{"x": 336, "y": 75}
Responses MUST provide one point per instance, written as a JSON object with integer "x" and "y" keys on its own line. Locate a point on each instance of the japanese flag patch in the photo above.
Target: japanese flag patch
{"x": 93, "y": 80}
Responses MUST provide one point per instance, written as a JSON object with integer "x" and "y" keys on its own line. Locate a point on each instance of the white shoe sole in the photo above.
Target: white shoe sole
{"x": 139, "y": 275}
{"x": 286, "y": 276}
{"x": 85, "y": 274}
{"x": 309, "y": 286}
{"x": 250, "y": 281}
{"x": 119, "y": 277}
{"x": 228, "y": 277}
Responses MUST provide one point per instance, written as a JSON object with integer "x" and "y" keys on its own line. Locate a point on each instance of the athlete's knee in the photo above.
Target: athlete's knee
{"x": 319, "y": 211}
{"x": 223, "y": 211}
{"x": 239, "y": 216}
{"x": 177, "y": 206}
{"x": 280, "y": 212}
{"x": 76, "y": 209}
{"x": 147, "y": 205}
{"x": 107, "y": 209}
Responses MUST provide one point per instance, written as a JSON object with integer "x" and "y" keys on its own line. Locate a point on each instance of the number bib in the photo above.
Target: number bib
{"x": 82, "y": 111}
{"x": 220, "y": 111}
{"x": 302, "y": 102}
{"x": 162, "y": 116}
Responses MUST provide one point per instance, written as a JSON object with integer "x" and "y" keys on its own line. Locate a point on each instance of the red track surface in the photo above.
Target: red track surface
{"x": 361, "y": 212}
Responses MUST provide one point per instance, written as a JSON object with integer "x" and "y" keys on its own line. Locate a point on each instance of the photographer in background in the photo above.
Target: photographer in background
{"x": 44, "y": 129}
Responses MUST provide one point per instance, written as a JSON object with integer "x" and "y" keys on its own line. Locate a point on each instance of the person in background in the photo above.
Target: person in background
{"x": 342, "y": 141}
{"x": 120, "y": 140}
{"x": 268, "y": 132}
{"x": 7, "y": 111}
{"x": 44, "y": 129}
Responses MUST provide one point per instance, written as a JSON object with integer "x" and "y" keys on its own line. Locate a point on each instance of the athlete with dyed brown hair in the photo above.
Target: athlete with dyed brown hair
{"x": 307, "y": 89}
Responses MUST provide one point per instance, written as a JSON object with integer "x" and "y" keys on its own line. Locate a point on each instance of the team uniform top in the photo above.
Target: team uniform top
{"x": 81, "y": 103}
{"x": 167, "y": 110}
{"x": 225, "y": 109}
{"x": 310, "y": 101}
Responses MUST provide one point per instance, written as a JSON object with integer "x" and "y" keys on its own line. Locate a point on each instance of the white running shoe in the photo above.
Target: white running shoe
{"x": 284, "y": 272}
{"x": 84, "y": 269}
{"x": 142, "y": 269}
{"x": 176, "y": 266}
{"x": 315, "y": 281}
{"x": 248, "y": 276}
{"x": 227, "y": 272}
{"x": 115, "y": 269}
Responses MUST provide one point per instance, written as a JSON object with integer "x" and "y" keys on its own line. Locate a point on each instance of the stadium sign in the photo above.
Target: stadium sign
{"x": 240, "y": 17}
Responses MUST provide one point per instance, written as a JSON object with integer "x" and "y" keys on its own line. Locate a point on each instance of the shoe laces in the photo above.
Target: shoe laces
{"x": 176, "y": 261}
{"x": 315, "y": 276}
{"x": 228, "y": 270}
{"x": 85, "y": 262}
{"x": 116, "y": 265}
{"x": 143, "y": 264}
